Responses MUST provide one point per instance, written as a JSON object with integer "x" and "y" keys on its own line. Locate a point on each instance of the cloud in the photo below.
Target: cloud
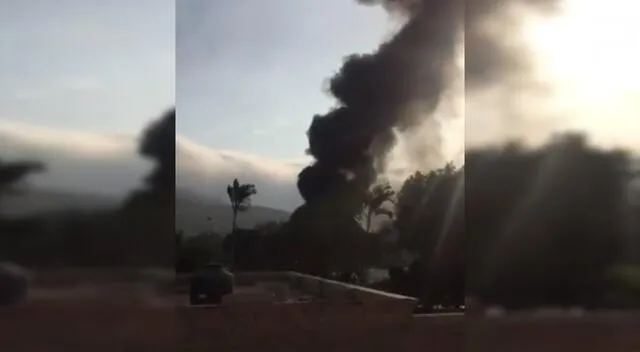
{"x": 90, "y": 162}
{"x": 208, "y": 171}
{"x": 76, "y": 160}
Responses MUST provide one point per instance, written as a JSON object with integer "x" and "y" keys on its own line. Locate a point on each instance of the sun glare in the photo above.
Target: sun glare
{"x": 591, "y": 56}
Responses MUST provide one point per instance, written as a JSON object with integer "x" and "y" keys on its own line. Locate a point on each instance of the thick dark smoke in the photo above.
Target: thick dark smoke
{"x": 149, "y": 212}
{"x": 493, "y": 53}
{"x": 401, "y": 85}
{"x": 159, "y": 144}
{"x": 394, "y": 87}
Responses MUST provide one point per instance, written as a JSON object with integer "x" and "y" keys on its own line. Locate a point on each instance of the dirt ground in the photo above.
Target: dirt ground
{"x": 94, "y": 325}
{"x": 133, "y": 317}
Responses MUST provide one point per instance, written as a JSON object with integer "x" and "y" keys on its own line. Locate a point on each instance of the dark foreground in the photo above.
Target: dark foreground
{"x": 157, "y": 325}
{"x": 64, "y": 316}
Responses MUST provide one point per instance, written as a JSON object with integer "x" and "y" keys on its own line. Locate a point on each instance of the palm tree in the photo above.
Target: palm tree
{"x": 373, "y": 203}
{"x": 240, "y": 198}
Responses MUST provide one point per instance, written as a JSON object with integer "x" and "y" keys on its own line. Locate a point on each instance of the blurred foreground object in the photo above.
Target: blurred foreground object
{"x": 210, "y": 284}
{"x": 14, "y": 282}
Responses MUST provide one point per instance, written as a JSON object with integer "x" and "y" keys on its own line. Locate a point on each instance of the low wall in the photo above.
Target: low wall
{"x": 319, "y": 289}
{"x": 322, "y": 289}
{"x": 330, "y": 289}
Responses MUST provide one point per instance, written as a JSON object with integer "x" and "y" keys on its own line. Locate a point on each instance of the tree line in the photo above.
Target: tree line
{"x": 518, "y": 226}
{"x": 138, "y": 233}
{"x": 514, "y": 226}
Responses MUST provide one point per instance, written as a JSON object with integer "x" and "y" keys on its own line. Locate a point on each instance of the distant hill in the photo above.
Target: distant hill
{"x": 45, "y": 201}
{"x": 196, "y": 214}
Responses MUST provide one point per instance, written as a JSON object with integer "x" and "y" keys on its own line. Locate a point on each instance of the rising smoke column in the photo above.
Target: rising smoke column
{"x": 495, "y": 59}
{"x": 493, "y": 52}
{"x": 159, "y": 144}
{"x": 395, "y": 87}
{"x": 401, "y": 84}
{"x": 149, "y": 212}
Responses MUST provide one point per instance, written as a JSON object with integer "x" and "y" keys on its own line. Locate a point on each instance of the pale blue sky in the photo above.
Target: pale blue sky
{"x": 96, "y": 65}
{"x": 250, "y": 73}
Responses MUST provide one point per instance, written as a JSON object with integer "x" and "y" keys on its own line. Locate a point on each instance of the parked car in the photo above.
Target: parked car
{"x": 209, "y": 284}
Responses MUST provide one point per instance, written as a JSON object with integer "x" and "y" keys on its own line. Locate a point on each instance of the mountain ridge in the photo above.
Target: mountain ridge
{"x": 199, "y": 215}
{"x": 194, "y": 213}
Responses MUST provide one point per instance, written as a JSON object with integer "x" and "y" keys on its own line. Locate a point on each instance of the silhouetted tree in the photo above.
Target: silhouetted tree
{"x": 247, "y": 249}
{"x": 373, "y": 203}
{"x": 544, "y": 225}
{"x": 15, "y": 234}
{"x": 179, "y": 238}
{"x": 425, "y": 213}
{"x": 141, "y": 232}
{"x": 12, "y": 173}
{"x": 325, "y": 241}
{"x": 270, "y": 227}
{"x": 276, "y": 245}
{"x": 240, "y": 199}
{"x": 196, "y": 251}
{"x": 421, "y": 208}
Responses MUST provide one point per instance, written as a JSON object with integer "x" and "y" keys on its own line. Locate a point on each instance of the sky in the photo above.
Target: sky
{"x": 586, "y": 56}
{"x": 102, "y": 66}
{"x": 80, "y": 80}
{"x": 250, "y": 73}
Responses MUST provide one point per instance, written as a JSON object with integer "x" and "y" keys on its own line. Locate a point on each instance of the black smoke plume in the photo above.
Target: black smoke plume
{"x": 493, "y": 52}
{"x": 395, "y": 87}
{"x": 400, "y": 85}
{"x": 159, "y": 144}
{"x": 149, "y": 211}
